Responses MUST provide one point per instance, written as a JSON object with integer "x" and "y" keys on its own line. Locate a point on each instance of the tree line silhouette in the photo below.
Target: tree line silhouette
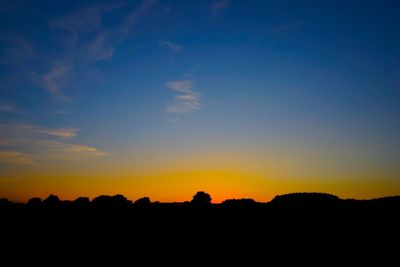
{"x": 109, "y": 221}
{"x": 203, "y": 200}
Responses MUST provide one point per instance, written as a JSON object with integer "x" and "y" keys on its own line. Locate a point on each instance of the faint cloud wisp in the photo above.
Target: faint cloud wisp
{"x": 185, "y": 99}
{"x": 99, "y": 50}
{"x": 64, "y": 133}
{"x": 217, "y": 6}
{"x": 170, "y": 45}
{"x": 86, "y": 41}
{"x": 7, "y": 108}
{"x": 14, "y": 157}
{"x": 135, "y": 15}
{"x": 29, "y": 144}
{"x": 61, "y": 151}
{"x": 54, "y": 80}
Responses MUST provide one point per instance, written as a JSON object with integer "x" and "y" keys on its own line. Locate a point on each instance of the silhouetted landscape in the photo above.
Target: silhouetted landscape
{"x": 303, "y": 208}
{"x": 294, "y": 222}
{"x": 292, "y": 201}
{"x": 197, "y": 127}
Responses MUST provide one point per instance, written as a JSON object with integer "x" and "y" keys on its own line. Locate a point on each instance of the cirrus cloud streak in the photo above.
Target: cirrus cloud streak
{"x": 26, "y": 144}
{"x": 185, "y": 100}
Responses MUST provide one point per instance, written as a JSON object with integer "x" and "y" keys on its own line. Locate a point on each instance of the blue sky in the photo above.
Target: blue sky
{"x": 100, "y": 80}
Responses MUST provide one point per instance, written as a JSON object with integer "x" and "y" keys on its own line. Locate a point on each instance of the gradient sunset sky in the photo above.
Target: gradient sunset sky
{"x": 166, "y": 98}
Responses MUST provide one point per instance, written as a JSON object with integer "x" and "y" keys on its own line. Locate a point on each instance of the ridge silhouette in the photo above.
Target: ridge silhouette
{"x": 202, "y": 199}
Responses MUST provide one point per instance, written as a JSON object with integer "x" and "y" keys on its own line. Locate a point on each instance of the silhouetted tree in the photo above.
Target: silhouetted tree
{"x": 239, "y": 203}
{"x": 82, "y": 202}
{"x": 121, "y": 201}
{"x": 52, "y": 200}
{"x": 105, "y": 201}
{"x": 201, "y": 199}
{"x": 306, "y": 200}
{"x": 102, "y": 201}
{"x": 35, "y": 201}
{"x": 142, "y": 202}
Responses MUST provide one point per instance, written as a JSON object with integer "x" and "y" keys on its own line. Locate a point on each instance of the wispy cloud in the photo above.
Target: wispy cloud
{"x": 87, "y": 18}
{"x": 87, "y": 40}
{"x": 32, "y": 131}
{"x": 82, "y": 37}
{"x": 99, "y": 49}
{"x": 55, "y": 79}
{"x": 170, "y": 45}
{"x": 135, "y": 15}
{"x": 14, "y": 157}
{"x": 61, "y": 151}
{"x": 30, "y": 144}
{"x": 183, "y": 86}
{"x": 64, "y": 133}
{"x": 7, "y": 108}
{"x": 84, "y": 22}
{"x": 185, "y": 100}
{"x": 218, "y": 5}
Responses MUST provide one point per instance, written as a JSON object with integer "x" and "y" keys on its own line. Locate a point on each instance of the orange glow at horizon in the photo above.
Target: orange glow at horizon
{"x": 175, "y": 176}
{"x": 179, "y": 187}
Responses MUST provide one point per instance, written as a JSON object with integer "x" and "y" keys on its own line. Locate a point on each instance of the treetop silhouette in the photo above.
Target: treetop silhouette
{"x": 201, "y": 199}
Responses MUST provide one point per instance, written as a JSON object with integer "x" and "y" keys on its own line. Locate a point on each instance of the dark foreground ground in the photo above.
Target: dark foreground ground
{"x": 306, "y": 225}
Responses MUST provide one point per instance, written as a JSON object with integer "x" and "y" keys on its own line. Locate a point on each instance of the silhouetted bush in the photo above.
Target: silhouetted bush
{"x": 306, "y": 200}
{"x": 296, "y": 201}
{"x": 201, "y": 199}
{"x": 120, "y": 200}
{"x": 82, "y": 202}
{"x": 242, "y": 203}
{"x": 52, "y": 201}
{"x": 35, "y": 201}
{"x": 142, "y": 202}
{"x": 105, "y": 201}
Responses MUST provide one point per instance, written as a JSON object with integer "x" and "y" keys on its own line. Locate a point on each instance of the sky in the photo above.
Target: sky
{"x": 158, "y": 98}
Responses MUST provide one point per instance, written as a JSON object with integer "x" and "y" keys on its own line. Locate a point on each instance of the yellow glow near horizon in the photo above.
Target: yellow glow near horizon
{"x": 171, "y": 176}
{"x": 181, "y": 186}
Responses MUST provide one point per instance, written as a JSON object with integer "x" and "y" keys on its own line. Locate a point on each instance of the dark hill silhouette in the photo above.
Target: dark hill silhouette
{"x": 385, "y": 202}
{"x": 306, "y": 200}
